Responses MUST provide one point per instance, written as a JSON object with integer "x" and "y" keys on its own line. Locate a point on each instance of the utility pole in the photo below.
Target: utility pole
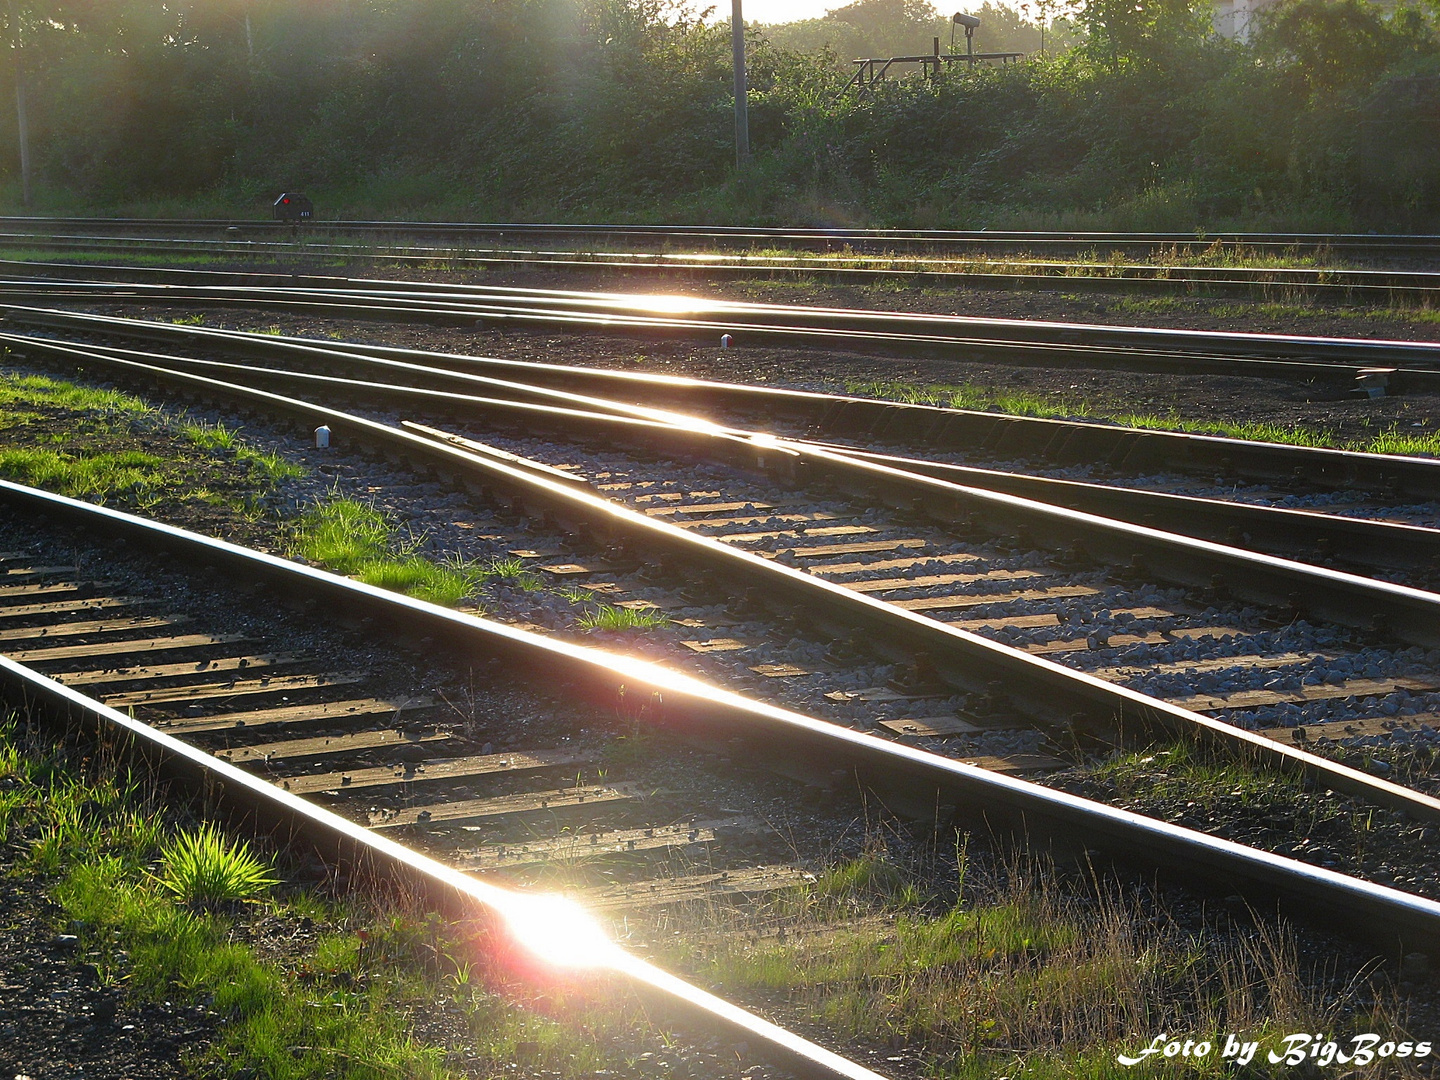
{"x": 742, "y": 118}
{"x": 23, "y": 129}
{"x": 22, "y": 120}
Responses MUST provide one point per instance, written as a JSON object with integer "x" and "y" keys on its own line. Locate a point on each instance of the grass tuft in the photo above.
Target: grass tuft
{"x": 36, "y": 390}
{"x": 609, "y": 617}
{"x": 342, "y": 534}
{"x": 103, "y": 445}
{"x": 203, "y": 867}
{"x": 355, "y": 539}
{"x": 82, "y": 476}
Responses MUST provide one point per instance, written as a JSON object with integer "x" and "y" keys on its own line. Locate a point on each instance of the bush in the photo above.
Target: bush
{"x": 581, "y": 109}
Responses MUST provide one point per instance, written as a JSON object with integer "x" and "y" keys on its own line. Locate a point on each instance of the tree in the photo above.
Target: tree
{"x": 1146, "y": 32}
{"x": 889, "y": 27}
{"x": 1328, "y": 44}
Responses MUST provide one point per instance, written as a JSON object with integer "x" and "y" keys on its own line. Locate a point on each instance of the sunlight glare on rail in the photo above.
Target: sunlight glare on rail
{"x": 669, "y": 303}
{"x": 559, "y": 931}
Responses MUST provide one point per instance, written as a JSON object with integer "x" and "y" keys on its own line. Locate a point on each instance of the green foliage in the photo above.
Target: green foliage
{"x": 1023, "y": 964}
{"x": 98, "y": 426}
{"x": 1152, "y": 33}
{"x": 575, "y": 109}
{"x": 974, "y": 396}
{"x": 38, "y": 390}
{"x": 344, "y": 1009}
{"x": 355, "y": 539}
{"x": 609, "y": 617}
{"x": 341, "y": 534}
{"x": 513, "y": 573}
{"x": 204, "y": 867}
{"x": 83, "y": 475}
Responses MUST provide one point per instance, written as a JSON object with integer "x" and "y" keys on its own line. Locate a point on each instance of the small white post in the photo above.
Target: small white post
{"x": 322, "y": 438}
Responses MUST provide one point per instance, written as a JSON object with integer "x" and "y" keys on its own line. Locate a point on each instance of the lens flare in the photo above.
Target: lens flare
{"x": 560, "y": 932}
{"x": 670, "y": 305}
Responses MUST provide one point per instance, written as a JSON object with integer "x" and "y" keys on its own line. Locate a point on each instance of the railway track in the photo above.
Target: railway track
{"x": 1359, "y": 245}
{"x": 1242, "y": 488}
{"x": 531, "y": 470}
{"x": 1169, "y": 270}
{"x": 1362, "y": 365}
{"x": 313, "y": 736}
{"x": 375, "y": 765}
{"x": 932, "y": 582}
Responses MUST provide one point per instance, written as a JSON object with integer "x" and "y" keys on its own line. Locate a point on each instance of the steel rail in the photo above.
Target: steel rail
{"x": 835, "y": 417}
{"x": 1409, "y": 245}
{"x": 1353, "y": 285}
{"x": 630, "y": 310}
{"x": 1275, "y": 530}
{"x": 1035, "y": 686}
{"x": 375, "y": 854}
{"x": 939, "y": 490}
{"x": 1393, "y": 920}
{"x": 810, "y": 331}
{"x": 961, "y": 328}
{"x": 1385, "y": 283}
{"x": 1257, "y": 527}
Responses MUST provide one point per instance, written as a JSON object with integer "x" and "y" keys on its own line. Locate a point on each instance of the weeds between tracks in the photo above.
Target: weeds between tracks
{"x": 984, "y": 398}
{"x": 1024, "y": 970}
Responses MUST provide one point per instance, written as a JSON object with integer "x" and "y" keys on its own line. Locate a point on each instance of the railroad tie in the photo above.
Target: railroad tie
{"x": 90, "y": 628}
{"x": 694, "y": 888}
{"x": 501, "y": 807}
{"x": 578, "y": 847}
{"x": 70, "y": 607}
{"x": 1252, "y": 699}
{"x": 173, "y": 696}
{"x": 929, "y": 581}
{"x": 969, "y": 600}
{"x": 165, "y": 672}
{"x": 436, "y": 770}
{"x": 322, "y": 746}
{"x": 354, "y": 709}
{"x": 100, "y": 650}
{"x": 11, "y": 593}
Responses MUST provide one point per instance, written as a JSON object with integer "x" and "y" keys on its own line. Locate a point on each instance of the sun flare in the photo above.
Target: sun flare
{"x": 669, "y": 304}
{"x": 560, "y": 932}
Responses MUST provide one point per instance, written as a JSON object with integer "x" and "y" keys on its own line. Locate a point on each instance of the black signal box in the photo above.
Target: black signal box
{"x": 293, "y": 206}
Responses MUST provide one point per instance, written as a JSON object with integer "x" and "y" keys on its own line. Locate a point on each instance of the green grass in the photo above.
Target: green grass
{"x": 609, "y": 617}
{"x": 339, "y": 1009}
{"x": 82, "y": 476}
{"x": 342, "y": 534}
{"x": 1167, "y": 305}
{"x": 975, "y": 396}
{"x": 109, "y": 446}
{"x": 201, "y": 866}
{"x": 1185, "y": 783}
{"x": 513, "y": 573}
{"x": 36, "y": 390}
{"x": 1019, "y": 971}
{"x": 355, "y": 539}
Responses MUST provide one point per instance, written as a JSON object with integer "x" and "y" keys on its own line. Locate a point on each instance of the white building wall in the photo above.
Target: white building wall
{"x": 1236, "y": 19}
